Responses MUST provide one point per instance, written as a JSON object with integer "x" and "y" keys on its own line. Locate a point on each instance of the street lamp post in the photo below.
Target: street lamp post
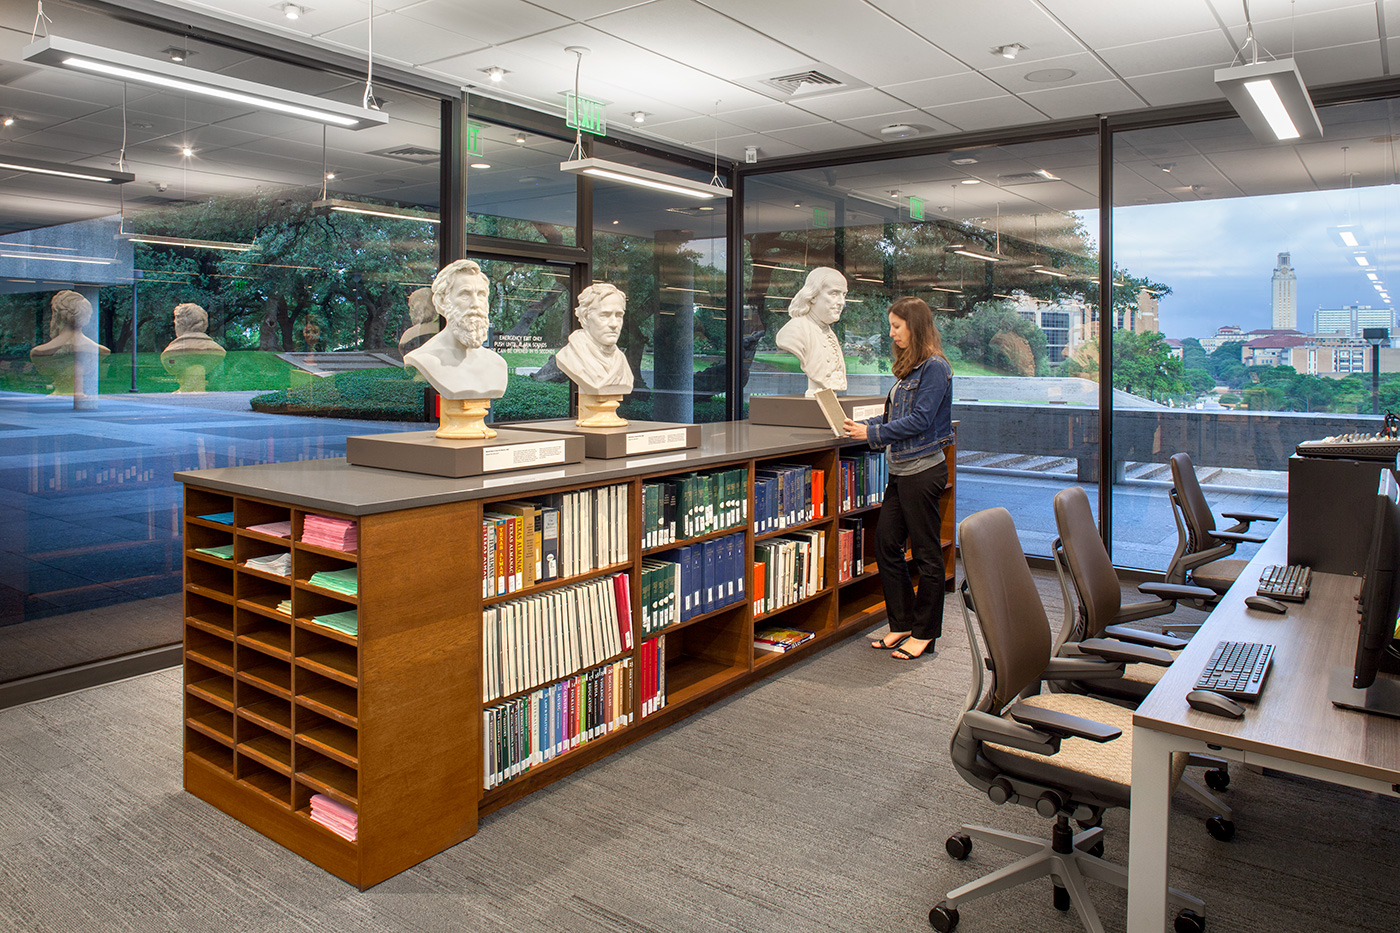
{"x": 1375, "y": 336}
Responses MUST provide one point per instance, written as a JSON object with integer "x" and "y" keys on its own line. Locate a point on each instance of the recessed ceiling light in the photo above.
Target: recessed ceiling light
{"x": 706, "y": 207}
{"x": 1167, "y": 167}
{"x": 964, "y": 160}
{"x": 639, "y": 116}
{"x": 176, "y": 54}
{"x": 330, "y": 175}
{"x": 1009, "y": 51}
{"x": 616, "y": 221}
{"x": 972, "y": 181}
{"x": 480, "y": 164}
{"x": 496, "y": 73}
{"x": 899, "y": 131}
{"x": 141, "y": 125}
{"x": 292, "y": 10}
{"x": 9, "y": 121}
{"x": 520, "y": 138}
{"x": 186, "y": 151}
{"x": 1050, "y": 75}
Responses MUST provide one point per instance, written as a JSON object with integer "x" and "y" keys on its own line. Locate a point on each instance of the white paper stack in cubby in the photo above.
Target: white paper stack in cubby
{"x": 337, "y": 533}
{"x": 335, "y": 816}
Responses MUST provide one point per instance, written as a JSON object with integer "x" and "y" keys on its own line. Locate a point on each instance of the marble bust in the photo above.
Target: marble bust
{"x": 69, "y": 353}
{"x": 193, "y": 354}
{"x": 808, "y": 335}
{"x": 454, "y": 361}
{"x": 591, "y": 357}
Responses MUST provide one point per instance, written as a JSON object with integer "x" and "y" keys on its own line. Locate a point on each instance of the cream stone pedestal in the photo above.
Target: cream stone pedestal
{"x": 192, "y": 367}
{"x": 599, "y": 411}
{"x": 464, "y": 418}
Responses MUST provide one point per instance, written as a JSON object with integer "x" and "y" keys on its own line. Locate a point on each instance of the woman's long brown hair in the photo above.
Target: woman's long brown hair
{"x": 924, "y": 339}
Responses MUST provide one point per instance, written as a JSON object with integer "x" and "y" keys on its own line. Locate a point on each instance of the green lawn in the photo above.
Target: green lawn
{"x": 242, "y": 371}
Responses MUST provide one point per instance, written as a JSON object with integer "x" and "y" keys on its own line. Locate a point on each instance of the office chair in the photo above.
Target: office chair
{"x": 1094, "y": 610}
{"x": 1202, "y": 550}
{"x": 1068, "y": 756}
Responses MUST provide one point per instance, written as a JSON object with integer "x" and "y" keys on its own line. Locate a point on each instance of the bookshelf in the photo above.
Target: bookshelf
{"x": 388, "y": 721}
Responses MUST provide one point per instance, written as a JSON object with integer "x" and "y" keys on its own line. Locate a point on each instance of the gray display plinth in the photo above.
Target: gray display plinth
{"x": 425, "y": 452}
{"x": 799, "y": 411}
{"x": 634, "y": 439}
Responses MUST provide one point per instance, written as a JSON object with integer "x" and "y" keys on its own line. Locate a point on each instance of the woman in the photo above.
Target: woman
{"x": 916, "y": 426}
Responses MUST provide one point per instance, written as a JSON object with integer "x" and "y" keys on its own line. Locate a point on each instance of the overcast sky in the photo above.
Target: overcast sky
{"x": 1219, "y": 256}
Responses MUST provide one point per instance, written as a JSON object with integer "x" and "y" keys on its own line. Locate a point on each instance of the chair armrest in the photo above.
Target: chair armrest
{"x": 1238, "y": 537}
{"x": 1080, "y": 668}
{"x": 1247, "y": 517}
{"x": 1136, "y": 636}
{"x": 988, "y": 728}
{"x": 1111, "y": 650}
{"x": 1063, "y": 724}
{"x": 1176, "y": 591}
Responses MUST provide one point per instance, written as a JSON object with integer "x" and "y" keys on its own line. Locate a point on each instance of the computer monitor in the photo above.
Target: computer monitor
{"x": 1359, "y": 688}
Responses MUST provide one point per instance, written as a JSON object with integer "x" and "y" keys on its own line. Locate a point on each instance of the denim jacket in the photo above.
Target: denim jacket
{"x": 918, "y": 418}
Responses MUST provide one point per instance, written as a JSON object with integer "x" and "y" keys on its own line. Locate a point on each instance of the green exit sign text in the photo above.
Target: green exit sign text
{"x": 587, "y": 115}
{"x": 916, "y": 208}
{"x": 474, "y": 138}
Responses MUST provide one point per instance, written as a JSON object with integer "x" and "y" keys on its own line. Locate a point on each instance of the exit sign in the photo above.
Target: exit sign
{"x": 587, "y": 115}
{"x": 820, "y": 218}
{"x": 916, "y": 208}
{"x": 474, "y": 138}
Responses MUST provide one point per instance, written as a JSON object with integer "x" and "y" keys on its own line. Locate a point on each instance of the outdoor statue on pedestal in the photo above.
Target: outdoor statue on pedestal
{"x": 192, "y": 355}
{"x": 808, "y": 335}
{"x": 593, "y": 361}
{"x": 465, "y": 374}
{"x": 68, "y": 360}
{"x": 424, "y": 326}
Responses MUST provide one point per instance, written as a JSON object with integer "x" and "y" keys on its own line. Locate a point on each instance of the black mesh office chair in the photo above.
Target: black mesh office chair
{"x": 1094, "y": 611}
{"x": 1069, "y": 756}
{"x": 1203, "y": 551}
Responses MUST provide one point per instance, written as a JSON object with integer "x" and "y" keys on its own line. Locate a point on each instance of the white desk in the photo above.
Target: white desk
{"x": 1293, "y": 726}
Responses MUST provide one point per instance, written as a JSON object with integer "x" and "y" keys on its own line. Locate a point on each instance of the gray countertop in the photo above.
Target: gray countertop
{"x": 336, "y": 486}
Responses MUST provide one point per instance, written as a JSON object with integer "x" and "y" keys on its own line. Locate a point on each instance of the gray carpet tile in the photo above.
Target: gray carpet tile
{"x": 816, "y": 801}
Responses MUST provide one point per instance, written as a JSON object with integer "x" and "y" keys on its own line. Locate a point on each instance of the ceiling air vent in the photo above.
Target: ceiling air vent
{"x": 1027, "y": 178}
{"x": 415, "y": 154}
{"x": 800, "y": 85}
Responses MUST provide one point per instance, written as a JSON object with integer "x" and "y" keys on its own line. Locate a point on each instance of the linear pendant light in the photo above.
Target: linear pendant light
{"x": 337, "y": 205}
{"x": 152, "y": 240}
{"x": 644, "y": 178}
{"x": 63, "y": 170}
{"x": 963, "y": 250}
{"x": 1271, "y": 99}
{"x": 94, "y": 59}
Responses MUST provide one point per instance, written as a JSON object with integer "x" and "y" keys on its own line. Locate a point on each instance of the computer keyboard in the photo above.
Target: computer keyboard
{"x": 1236, "y": 669}
{"x": 1288, "y": 582}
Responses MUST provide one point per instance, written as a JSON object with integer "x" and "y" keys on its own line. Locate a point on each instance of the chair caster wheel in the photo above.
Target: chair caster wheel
{"x": 1096, "y": 850}
{"x": 1062, "y": 901}
{"x": 943, "y": 918}
{"x": 1217, "y": 779}
{"x": 1221, "y": 828}
{"x": 1188, "y": 921}
{"x": 959, "y": 846}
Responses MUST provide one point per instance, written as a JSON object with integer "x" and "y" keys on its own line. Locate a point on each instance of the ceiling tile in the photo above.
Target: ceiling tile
{"x": 916, "y": 118}
{"x": 729, "y": 48}
{"x": 851, "y": 104}
{"x": 771, "y": 117}
{"x": 988, "y": 114}
{"x": 825, "y": 136}
{"x": 1082, "y": 99}
{"x": 1318, "y": 24}
{"x": 495, "y": 22}
{"x": 844, "y": 34}
{"x": 1189, "y": 86}
{"x": 769, "y": 146}
{"x": 1345, "y": 63}
{"x": 1104, "y": 25}
{"x": 969, "y": 31}
{"x": 404, "y": 39}
{"x": 1202, "y": 49}
{"x": 949, "y": 89}
{"x": 694, "y": 131}
{"x": 1012, "y": 76}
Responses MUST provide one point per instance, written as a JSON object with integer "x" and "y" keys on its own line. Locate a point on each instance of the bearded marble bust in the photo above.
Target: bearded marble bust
{"x": 454, "y": 362}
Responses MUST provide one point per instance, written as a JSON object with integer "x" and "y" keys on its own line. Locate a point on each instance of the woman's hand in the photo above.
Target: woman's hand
{"x": 855, "y": 429}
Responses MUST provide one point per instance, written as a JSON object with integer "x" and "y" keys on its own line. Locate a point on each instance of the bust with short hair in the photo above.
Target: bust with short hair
{"x": 193, "y": 354}
{"x": 808, "y": 334}
{"x": 465, "y": 373}
{"x": 591, "y": 358}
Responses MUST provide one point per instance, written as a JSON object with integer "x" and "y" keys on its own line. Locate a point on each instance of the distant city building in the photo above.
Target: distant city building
{"x": 1061, "y": 322}
{"x": 1174, "y": 346}
{"x": 1285, "y": 294}
{"x": 1230, "y": 333}
{"x": 1315, "y": 355}
{"x": 1348, "y": 320}
{"x": 1145, "y": 314}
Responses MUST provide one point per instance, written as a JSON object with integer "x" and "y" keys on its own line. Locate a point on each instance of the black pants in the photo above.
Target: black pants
{"x": 910, "y": 512}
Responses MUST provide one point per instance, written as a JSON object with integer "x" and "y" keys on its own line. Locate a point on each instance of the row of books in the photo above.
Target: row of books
{"x": 693, "y": 504}
{"x": 651, "y": 675}
{"x": 864, "y": 475}
{"x": 562, "y": 535}
{"x": 787, "y": 494}
{"x": 535, "y": 639}
{"x": 788, "y": 569}
{"x": 691, "y": 580}
{"x": 853, "y": 538}
{"x": 551, "y": 721}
